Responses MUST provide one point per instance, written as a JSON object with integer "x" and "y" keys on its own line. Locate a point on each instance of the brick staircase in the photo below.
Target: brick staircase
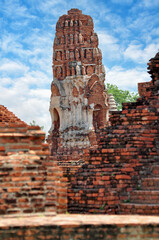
{"x": 145, "y": 200}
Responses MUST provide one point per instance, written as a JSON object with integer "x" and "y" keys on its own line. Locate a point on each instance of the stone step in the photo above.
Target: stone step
{"x": 150, "y": 183}
{"x": 138, "y": 208}
{"x": 145, "y": 196}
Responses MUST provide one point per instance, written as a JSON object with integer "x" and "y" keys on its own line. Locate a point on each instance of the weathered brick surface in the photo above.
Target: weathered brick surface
{"x": 81, "y": 227}
{"x": 30, "y": 184}
{"x": 128, "y": 151}
{"x": 145, "y": 199}
{"x": 16, "y": 135}
{"x": 8, "y": 117}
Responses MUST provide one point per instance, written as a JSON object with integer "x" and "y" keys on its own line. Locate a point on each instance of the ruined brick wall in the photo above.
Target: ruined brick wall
{"x": 30, "y": 184}
{"x": 127, "y": 152}
{"x": 16, "y": 135}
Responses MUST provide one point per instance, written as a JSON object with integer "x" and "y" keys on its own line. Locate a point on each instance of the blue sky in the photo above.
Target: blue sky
{"x": 128, "y": 33}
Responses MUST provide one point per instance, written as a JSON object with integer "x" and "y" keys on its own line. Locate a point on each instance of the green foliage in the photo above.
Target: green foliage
{"x": 33, "y": 123}
{"x": 120, "y": 95}
{"x": 127, "y": 201}
{"x": 103, "y": 206}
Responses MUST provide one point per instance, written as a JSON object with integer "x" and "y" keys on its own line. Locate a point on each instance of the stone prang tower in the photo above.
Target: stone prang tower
{"x": 79, "y": 104}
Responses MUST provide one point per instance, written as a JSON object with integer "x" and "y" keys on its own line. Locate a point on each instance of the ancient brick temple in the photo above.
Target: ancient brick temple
{"x": 120, "y": 175}
{"x": 79, "y": 104}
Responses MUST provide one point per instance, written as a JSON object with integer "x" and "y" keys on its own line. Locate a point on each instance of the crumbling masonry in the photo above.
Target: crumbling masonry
{"x": 79, "y": 101}
{"x": 109, "y": 159}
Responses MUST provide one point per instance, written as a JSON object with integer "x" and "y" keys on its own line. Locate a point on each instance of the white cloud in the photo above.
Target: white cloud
{"x": 13, "y": 9}
{"x": 140, "y": 55}
{"x": 150, "y": 3}
{"x": 144, "y": 22}
{"x": 21, "y": 73}
{"x": 109, "y": 45}
{"x": 13, "y": 43}
{"x": 53, "y": 7}
{"x": 11, "y": 67}
{"x": 122, "y": 1}
{"x": 40, "y": 93}
{"x": 5, "y": 81}
{"x": 36, "y": 108}
{"x": 105, "y": 38}
{"x": 27, "y": 94}
{"x": 28, "y": 104}
{"x": 38, "y": 78}
{"x": 126, "y": 79}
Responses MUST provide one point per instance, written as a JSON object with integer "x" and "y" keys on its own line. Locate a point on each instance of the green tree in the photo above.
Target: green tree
{"x": 120, "y": 95}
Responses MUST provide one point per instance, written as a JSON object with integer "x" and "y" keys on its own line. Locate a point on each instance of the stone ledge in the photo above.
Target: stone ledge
{"x": 79, "y": 227}
{"x": 41, "y": 219}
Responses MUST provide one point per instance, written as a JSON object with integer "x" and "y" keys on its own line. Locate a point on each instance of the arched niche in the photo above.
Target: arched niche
{"x": 55, "y": 132}
{"x": 56, "y": 120}
{"x": 97, "y": 117}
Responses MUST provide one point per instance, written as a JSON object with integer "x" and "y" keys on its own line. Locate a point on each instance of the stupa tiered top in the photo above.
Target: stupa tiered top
{"x": 76, "y": 49}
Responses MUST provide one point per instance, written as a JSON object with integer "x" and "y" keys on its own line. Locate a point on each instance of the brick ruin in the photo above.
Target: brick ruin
{"x": 121, "y": 176}
{"x": 107, "y": 173}
{"x": 30, "y": 182}
{"x": 16, "y": 135}
{"x": 109, "y": 159}
{"x": 79, "y": 101}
